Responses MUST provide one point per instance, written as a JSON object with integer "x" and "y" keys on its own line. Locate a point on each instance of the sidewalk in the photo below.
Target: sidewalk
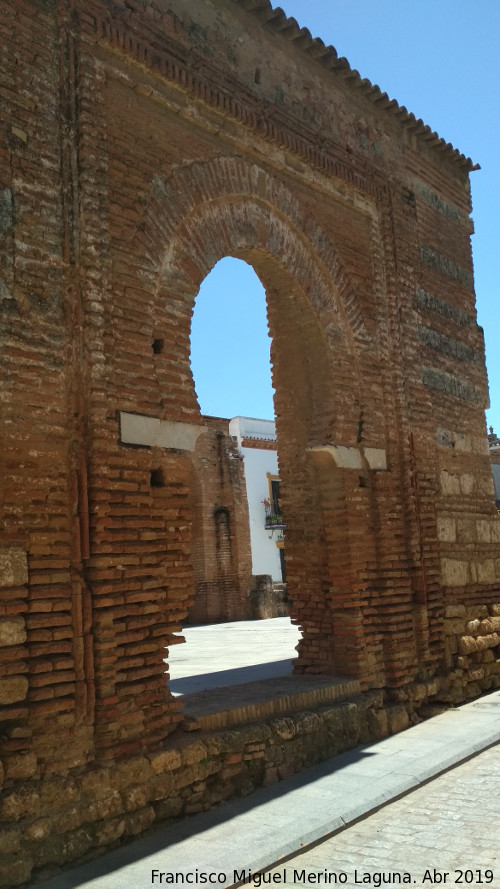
{"x": 222, "y": 846}
{"x": 444, "y": 833}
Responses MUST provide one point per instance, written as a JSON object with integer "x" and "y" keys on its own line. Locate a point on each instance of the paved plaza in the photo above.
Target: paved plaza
{"x": 221, "y": 655}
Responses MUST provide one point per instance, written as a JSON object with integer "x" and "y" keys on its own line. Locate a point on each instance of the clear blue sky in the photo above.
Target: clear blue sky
{"x": 439, "y": 58}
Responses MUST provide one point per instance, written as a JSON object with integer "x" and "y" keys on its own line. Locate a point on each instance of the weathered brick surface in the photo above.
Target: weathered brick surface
{"x": 220, "y": 541}
{"x": 140, "y": 143}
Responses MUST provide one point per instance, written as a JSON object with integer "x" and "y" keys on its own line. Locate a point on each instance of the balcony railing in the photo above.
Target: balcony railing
{"x": 274, "y": 520}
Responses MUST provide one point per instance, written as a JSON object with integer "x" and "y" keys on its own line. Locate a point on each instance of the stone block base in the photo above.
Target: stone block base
{"x": 70, "y": 819}
{"x": 268, "y": 599}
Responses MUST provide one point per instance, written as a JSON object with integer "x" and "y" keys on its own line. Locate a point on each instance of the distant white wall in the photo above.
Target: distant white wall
{"x": 495, "y": 468}
{"x": 257, "y": 463}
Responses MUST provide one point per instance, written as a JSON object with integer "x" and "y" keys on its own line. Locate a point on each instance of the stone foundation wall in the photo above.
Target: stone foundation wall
{"x": 472, "y": 650}
{"x": 51, "y": 823}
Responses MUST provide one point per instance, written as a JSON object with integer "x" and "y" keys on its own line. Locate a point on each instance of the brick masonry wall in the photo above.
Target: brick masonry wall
{"x": 139, "y": 145}
{"x": 220, "y": 548}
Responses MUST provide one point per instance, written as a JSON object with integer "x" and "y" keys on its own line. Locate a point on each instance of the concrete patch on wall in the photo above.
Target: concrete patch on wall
{"x": 137, "y": 429}
{"x": 351, "y": 458}
{"x": 376, "y": 458}
{"x": 343, "y": 457}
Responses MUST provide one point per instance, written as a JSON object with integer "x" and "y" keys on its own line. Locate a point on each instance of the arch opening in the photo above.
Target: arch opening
{"x": 230, "y": 343}
{"x": 317, "y": 400}
{"x": 238, "y": 532}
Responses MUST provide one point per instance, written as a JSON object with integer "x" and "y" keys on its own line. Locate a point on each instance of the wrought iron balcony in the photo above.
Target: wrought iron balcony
{"x": 274, "y": 521}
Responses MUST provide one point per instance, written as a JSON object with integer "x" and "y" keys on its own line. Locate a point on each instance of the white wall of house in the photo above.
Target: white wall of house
{"x": 257, "y": 464}
{"x": 495, "y": 469}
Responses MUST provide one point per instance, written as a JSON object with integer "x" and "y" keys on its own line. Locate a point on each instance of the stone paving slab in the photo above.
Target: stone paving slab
{"x": 280, "y": 820}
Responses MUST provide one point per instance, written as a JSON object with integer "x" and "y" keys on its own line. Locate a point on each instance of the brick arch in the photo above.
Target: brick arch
{"x": 222, "y": 182}
{"x": 248, "y": 229}
{"x": 248, "y": 226}
{"x": 209, "y": 211}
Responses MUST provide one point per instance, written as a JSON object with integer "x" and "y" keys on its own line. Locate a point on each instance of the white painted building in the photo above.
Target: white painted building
{"x": 256, "y": 441}
{"x": 494, "y": 443}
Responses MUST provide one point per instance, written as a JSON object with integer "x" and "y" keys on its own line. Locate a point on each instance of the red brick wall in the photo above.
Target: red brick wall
{"x": 45, "y": 599}
{"x": 220, "y": 546}
{"x": 138, "y": 147}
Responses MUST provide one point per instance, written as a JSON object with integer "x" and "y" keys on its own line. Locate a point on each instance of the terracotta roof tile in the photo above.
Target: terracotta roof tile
{"x": 328, "y": 57}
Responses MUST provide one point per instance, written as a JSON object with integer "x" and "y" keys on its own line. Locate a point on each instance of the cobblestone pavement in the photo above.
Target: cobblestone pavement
{"x": 446, "y": 833}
